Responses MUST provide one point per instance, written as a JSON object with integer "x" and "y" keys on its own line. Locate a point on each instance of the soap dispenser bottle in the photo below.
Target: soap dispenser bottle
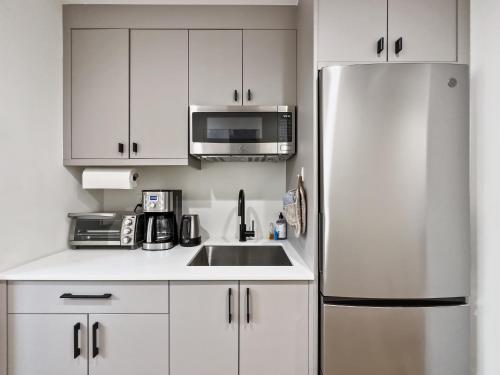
{"x": 281, "y": 227}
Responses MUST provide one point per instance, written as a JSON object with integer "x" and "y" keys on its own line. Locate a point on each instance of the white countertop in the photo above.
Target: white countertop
{"x": 153, "y": 265}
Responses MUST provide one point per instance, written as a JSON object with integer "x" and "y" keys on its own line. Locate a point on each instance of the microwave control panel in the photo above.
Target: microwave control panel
{"x": 285, "y": 127}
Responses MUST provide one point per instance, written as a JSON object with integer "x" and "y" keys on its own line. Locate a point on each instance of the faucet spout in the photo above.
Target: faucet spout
{"x": 244, "y": 233}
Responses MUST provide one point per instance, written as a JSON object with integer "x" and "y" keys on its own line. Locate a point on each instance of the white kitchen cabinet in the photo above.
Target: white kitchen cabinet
{"x": 128, "y": 344}
{"x": 99, "y": 93}
{"x": 215, "y": 67}
{"x": 351, "y": 30}
{"x": 274, "y": 328}
{"x": 427, "y": 30}
{"x": 158, "y": 94}
{"x": 204, "y": 328}
{"x": 269, "y": 67}
{"x": 44, "y": 344}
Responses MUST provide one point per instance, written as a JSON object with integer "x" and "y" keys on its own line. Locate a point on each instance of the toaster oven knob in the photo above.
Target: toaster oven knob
{"x": 128, "y": 221}
{"x": 152, "y": 204}
{"x": 127, "y": 231}
{"x": 126, "y": 239}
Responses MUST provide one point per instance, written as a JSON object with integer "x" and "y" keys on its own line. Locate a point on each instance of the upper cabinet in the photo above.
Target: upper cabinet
{"x": 423, "y": 30}
{"x": 215, "y": 61}
{"x": 249, "y": 67}
{"x": 158, "y": 94}
{"x": 352, "y": 30}
{"x": 387, "y": 30}
{"x": 269, "y": 67}
{"x": 99, "y": 94}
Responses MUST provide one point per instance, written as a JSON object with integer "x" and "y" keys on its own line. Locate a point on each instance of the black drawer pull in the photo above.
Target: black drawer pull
{"x": 235, "y": 96}
{"x": 76, "y": 343}
{"x": 135, "y": 147}
{"x": 380, "y": 46}
{"x": 249, "y": 95}
{"x": 121, "y": 148}
{"x": 86, "y": 296}
{"x": 95, "y": 349}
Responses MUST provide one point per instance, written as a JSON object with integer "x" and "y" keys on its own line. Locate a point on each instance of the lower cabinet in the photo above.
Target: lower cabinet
{"x": 47, "y": 344}
{"x": 267, "y": 332}
{"x": 95, "y": 344}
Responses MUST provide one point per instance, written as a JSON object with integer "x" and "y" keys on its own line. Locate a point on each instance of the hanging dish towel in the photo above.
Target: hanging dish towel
{"x": 295, "y": 208}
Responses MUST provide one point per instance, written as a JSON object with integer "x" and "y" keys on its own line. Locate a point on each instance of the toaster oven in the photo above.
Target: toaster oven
{"x": 124, "y": 230}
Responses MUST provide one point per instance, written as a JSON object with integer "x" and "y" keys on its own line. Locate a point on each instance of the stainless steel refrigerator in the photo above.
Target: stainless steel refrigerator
{"x": 394, "y": 219}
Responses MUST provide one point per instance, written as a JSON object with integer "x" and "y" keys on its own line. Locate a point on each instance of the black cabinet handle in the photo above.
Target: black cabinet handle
{"x": 135, "y": 147}
{"x": 380, "y": 45}
{"x": 121, "y": 148}
{"x": 95, "y": 349}
{"x": 398, "y": 46}
{"x": 76, "y": 344}
{"x": 235, "y": 95}
{"x": 249, "y": 95}
{"x": 248, "y": 305}
{"x": 86, "y": 296}
{"x": 229, "y": 293}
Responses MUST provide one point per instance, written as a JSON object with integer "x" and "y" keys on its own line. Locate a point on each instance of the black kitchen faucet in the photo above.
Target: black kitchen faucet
{"x": 244, "y": 233}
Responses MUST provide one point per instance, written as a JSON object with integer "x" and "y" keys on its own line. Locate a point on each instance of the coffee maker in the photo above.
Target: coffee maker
{"x": 162, "y": 215}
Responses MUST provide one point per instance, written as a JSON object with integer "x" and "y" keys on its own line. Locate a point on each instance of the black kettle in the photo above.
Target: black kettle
{"x": 190, "y": 231}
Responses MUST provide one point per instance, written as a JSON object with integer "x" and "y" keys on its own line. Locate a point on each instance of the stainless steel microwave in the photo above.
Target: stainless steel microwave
{"x": 248, "y": 133}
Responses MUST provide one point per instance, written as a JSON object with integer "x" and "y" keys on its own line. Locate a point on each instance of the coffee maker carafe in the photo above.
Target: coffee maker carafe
{"x": 162, "y": 213}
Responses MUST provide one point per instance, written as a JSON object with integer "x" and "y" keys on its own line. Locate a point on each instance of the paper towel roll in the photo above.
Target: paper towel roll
{"x": 109, "y": 178}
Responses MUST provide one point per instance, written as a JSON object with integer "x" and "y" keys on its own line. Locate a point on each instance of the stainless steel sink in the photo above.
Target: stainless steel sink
{"x": 241, "y": 256}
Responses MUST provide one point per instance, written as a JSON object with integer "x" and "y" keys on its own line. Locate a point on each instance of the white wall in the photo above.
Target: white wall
{"x": 485, "y": 121}
{"x": 212, "y": 192}
{"x": 36, "y": 191}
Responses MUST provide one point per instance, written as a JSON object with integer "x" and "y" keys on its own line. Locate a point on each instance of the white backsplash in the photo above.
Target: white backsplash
{"x": 212, "y": 192}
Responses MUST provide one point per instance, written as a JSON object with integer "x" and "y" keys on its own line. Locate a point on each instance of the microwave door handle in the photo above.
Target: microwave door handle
{"x": 92, "y": 215}
{"x": 149, "y": 234}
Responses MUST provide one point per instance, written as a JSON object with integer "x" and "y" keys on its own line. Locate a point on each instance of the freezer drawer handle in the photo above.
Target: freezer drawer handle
{"x": 380, "y": 46}
{"x": 95, "y": 349}
{"x": 86, "y": 296}
{"x": 230, "y": 316}
{"x": 76, "y": 342}
{"x": 248, "y": 305}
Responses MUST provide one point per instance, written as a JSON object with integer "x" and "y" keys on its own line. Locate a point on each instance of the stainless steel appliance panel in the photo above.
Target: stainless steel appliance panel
{"x": 394, "y": 169}
{"x": 360, "y": 340}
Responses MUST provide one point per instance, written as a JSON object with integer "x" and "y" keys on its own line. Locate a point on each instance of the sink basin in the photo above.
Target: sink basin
{"x": 241, "y": 256}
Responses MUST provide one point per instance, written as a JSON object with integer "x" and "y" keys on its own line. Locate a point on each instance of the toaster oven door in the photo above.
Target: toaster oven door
{"x": 98, "y": 230}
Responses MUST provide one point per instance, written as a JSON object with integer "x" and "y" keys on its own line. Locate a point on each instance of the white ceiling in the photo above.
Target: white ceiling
{"x": 185, "y": 2}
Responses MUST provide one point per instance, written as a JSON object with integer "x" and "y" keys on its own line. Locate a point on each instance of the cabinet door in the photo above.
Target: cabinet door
{"x": 269, "y": 67}
{"x": 128, "y": 344}
{"x": 159, "y": 94}
{"x": 427, "y": 28}
{"x": 44, "y": 344}
{"x": 99, "y": 93}
{"x": 215, "y": 72}
{"x": 350, "y": 30}
{"x": 204, "y": 338}
{"x": 274, "y": 328}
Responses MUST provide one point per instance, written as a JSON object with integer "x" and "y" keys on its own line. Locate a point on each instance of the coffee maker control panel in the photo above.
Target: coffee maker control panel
{"x": 156, "y": 201}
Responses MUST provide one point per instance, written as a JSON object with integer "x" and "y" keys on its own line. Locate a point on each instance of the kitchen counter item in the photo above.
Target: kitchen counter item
{"x": 190, "y": 231}
{"x": 153, "y": 265}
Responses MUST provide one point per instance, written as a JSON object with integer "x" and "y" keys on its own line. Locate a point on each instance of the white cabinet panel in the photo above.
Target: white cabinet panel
{"x": 428, "y": 29}
{"x": 274, "y": 334}
{"x": 348, "y": 30}
{"x": 203, "y": 339}
{"x": 99, "y": 93}
{"x": 159, "y": 93}
{"x": 43, "y": 344}
{"x": 269, "y": 67}
{"x": 129, "y": 344}
{"x": 215, "y": 67}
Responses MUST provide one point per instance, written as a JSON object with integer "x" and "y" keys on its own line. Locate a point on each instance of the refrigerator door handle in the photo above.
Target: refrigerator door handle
{"x": 320, "y": 242}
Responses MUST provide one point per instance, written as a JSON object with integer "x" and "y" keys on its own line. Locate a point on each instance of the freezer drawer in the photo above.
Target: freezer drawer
{"x": 395, "y": 340}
